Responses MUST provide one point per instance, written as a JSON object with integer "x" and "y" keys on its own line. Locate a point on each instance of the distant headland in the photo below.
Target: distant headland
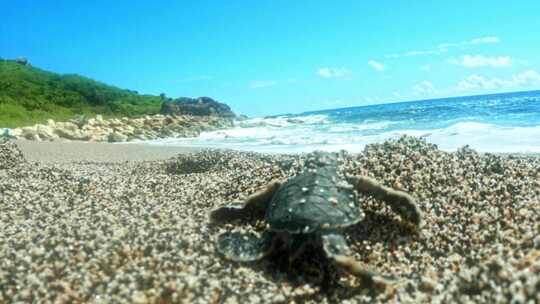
{"x": 43, "y": 105}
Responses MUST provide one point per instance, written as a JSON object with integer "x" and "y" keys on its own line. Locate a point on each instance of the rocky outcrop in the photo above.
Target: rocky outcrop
{"x": 202, "y": 106}
{"x": 21, "y": 60}
{"x": 123, "y": 129}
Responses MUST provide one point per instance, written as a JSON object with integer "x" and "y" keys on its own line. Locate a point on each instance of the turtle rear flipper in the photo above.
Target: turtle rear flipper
{"x": 242, "y": 247}
{"x": 229, "y": 213}
{"x": 254, "y": 206}
{"x": 399, "y": 201}
{"x": 336, "y": 248}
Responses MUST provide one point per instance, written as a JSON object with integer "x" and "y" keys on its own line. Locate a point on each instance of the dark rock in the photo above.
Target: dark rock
{"x": 79, "y": 120}
{"x": 21, "y": 60}
{"x": 202, "y": 106}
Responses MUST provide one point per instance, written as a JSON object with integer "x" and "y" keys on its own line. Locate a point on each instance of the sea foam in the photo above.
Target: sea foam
{"x": 495, "y": 123}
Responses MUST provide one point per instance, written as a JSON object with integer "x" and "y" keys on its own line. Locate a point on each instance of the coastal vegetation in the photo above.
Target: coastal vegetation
{"x": 29, "y": 95}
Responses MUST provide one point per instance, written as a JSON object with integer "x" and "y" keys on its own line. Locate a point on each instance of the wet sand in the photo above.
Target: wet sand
{"x": 66, "y": 152}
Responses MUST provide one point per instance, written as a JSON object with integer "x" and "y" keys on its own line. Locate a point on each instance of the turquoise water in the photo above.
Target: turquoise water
{"x": 507, "y": 122}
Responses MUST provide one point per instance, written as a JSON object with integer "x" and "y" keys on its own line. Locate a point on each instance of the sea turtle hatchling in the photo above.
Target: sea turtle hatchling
{"x": 310, "y": 208}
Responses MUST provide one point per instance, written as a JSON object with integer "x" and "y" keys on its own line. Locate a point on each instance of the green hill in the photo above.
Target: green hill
{"x": 29, "y": 95}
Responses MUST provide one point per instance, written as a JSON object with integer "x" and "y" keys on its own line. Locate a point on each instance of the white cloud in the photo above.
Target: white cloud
{"x": 333, "y": 72}
{"x": 420, "y": 53}
{"x": 528, "y": 78}
{"x": 480, "y": 40}
{"x": 475, "y": 82}
{"x": 259, "y": 84}
{"x": 413, "y": 53}
{"x": 485, "y": 40}
{"x": 445, "y": 46}
{"x": 424, "y": 88}
{"x": 376, "y": 65}
{"x": 477, "y": 61}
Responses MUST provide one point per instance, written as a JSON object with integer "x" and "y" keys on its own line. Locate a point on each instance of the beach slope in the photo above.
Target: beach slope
{"x": 107, "y": 223}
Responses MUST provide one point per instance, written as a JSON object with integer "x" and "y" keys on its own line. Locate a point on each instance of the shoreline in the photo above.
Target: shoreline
{"x": 103, "y": 152}
{"x": 98, "y": 152}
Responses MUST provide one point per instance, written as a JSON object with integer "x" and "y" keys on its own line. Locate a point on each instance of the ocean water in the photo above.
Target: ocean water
{"x": 507, "y": 122}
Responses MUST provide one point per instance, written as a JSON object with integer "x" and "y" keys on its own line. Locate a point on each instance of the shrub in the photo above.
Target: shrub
{"x": 29, "y": 95}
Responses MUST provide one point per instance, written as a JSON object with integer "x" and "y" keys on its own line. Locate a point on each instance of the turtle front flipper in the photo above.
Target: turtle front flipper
{"x": 336, "y": 248}
{"x": 254, "y": 206}
{"x": 242, "y": 247}
{"x": 399, "y": 201}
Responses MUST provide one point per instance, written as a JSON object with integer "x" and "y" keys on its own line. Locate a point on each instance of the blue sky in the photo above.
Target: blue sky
{"x": 271, "y": 57}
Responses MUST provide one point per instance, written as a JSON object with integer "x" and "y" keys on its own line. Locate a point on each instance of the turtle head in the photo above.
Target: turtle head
{"x": 318, "y": 159}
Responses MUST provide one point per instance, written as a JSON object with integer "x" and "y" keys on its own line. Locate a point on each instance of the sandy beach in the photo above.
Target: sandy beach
{"x": 69, "y": 152}
{"x": 128, "y": 223}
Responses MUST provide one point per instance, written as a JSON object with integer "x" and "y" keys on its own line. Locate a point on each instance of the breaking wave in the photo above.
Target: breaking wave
{"x": 508, "y": 123}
